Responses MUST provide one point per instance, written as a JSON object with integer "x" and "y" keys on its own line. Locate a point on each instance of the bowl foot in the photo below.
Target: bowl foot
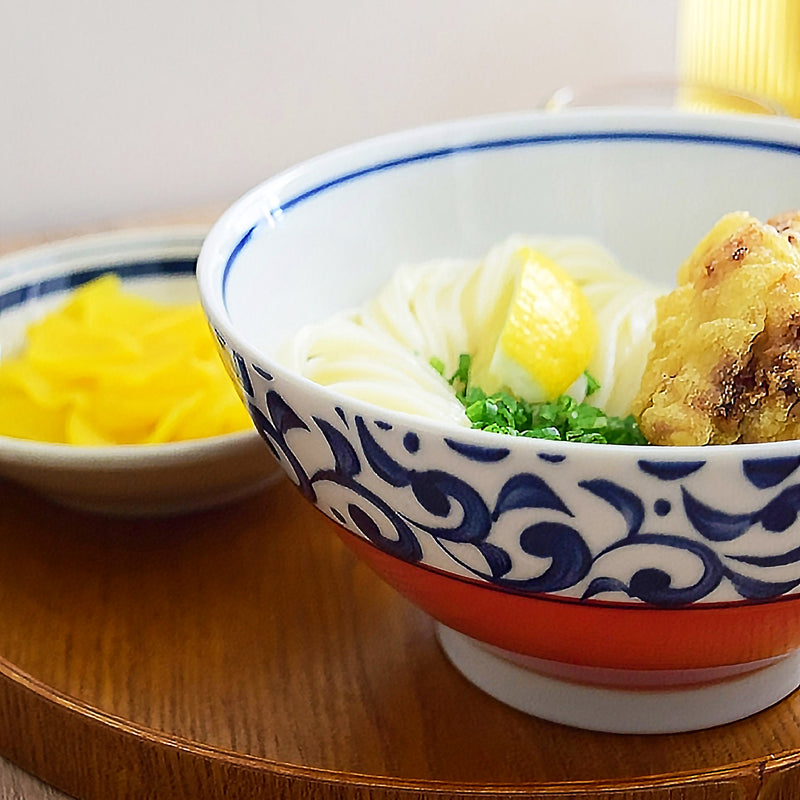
{"x": 615, "y": 709}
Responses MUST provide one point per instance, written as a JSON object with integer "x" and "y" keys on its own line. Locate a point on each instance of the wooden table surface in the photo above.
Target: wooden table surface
{"x": 15, "y": 783}
{"x": 245, "y": 653}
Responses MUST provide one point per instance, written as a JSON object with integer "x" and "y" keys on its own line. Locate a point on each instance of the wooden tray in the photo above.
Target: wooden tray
{"x": 245, "y": 653}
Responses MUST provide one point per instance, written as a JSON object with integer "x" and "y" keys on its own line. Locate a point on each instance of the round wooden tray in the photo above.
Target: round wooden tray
{"x": 245, "y": 653}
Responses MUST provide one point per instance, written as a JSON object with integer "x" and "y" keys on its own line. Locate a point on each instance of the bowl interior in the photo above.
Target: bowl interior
{"x": 646, "y": 184}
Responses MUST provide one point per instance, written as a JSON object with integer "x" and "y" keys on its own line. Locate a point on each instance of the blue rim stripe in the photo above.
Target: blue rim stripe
{"x": 527, "y": 141}
{"x": 234, "y": 254}
{"x": 62, "y": 283}
{"x": 507, "y": 143}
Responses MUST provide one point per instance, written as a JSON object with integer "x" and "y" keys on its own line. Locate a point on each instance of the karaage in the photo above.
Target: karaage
{"x": 725, "y": 363}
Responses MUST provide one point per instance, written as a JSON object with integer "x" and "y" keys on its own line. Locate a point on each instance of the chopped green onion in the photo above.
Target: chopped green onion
{"x": 437, "y": 364}
{"x": 592, "y": 384}
{"x": 562, "y": 419}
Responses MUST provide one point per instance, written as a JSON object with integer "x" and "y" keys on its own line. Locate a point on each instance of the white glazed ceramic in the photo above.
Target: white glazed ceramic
{"x": 658, "y": 566}
{"x": 132, "y": 479}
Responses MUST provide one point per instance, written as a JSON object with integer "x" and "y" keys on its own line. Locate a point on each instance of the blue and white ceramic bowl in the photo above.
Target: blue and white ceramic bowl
{"x": 126, "y": 479}
{"x": 629, "y": 570}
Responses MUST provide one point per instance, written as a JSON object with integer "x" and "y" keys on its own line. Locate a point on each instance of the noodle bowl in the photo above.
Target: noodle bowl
{"x": 626, "y": 588}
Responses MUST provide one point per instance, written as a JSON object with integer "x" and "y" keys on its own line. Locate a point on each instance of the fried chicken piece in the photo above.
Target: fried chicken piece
{"x": 725, "y": 363}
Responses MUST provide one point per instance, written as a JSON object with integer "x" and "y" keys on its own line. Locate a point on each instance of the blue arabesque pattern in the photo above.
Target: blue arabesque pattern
{"x": 526, "y": 536}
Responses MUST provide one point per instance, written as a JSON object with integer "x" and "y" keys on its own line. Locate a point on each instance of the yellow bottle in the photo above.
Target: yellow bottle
{"x": 748, "y": 46}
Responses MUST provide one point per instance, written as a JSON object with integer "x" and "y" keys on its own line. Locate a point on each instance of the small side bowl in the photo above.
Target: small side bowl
{"x": 147, "y": 480}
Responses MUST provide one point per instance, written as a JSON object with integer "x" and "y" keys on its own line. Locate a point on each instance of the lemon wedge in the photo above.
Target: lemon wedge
{"x": 540, "y": 338}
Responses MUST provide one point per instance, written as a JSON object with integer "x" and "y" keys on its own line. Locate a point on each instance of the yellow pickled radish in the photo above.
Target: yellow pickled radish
{"x": 111, "y": 367}
{"x": 546, "y": 336}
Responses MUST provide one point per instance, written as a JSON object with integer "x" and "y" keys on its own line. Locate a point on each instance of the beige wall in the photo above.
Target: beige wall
{"x": 111, "y": 108}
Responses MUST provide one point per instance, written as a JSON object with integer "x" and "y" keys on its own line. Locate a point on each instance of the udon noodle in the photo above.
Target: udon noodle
{"x": 381, "y": 351}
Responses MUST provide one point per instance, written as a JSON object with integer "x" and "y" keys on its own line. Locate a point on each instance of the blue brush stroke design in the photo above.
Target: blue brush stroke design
{"x": 527, "y": 490}
{"x": 282, "y": 419}
{"x": 781, "y": 512}
{"x": 551, "y": 458}
{"x": 437, "y": 491}
{"x": 405, "y": 546}
{"x": 713, "y": 524}
{"x": 777, "y": 560}
{"x": 570, "y": 559}
{"x": 603, "y": 585}
{"x": 244, "y": 375}
{"x": 669, "y": 470}
{"x": 345, "y": 458}
{"x": 497, "y": 559}
{"x": 764, "y": 473}
{"x": 653, "y": 585}
{"x": 618, "y": 497}
{"x": 754, "y": 589}
{"x": 382, "y": 464}
{"x": 345, "y": 469}
{"x": 476, "y": 452}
